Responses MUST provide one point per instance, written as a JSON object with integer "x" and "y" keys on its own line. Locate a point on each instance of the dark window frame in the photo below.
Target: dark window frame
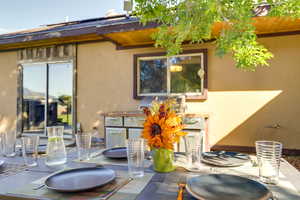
{"x": 203, "y": 96}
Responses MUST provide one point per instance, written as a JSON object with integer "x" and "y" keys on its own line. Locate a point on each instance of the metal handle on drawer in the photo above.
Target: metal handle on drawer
{"x": 141, "y": 120}
{"x": 114, "y": 119}
{"x": 191, "y": 122}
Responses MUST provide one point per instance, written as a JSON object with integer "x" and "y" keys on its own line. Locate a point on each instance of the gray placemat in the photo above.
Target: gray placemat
{"x": 100, "y": 159}
{"x": 128, "y": 191}
{"x": 9, "y": 169}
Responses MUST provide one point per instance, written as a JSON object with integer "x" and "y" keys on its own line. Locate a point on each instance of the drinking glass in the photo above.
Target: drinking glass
{"x": 193, "y": 149}
{"x": 10, "y": 139}
{"x": 196, "y": 157}
{"x": 83, "y": 142}
{"x": 268, "y": 156}
{"x": 135, "y": 155}
{"x": 1, "y": 148}
{"x": 30, "y": 150}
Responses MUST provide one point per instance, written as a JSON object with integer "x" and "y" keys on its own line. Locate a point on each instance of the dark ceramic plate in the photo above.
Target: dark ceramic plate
{"x": 81, "y": 179}
{"x": 224, "y": 158}
{"x": 116, "y": 153}
{"x": 226, "y": 187}
{"x": 2, "y": 163}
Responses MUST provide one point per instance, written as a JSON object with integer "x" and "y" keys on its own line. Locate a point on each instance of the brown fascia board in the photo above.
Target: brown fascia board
{"x": 125, "y": 27}
{"x": 47, "y": 35}
{"x": 100, "y": 30}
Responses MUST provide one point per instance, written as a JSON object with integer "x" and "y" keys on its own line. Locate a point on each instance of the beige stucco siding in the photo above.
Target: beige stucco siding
{"x": 8, "y": 89}
{"x": 241, "y": 104}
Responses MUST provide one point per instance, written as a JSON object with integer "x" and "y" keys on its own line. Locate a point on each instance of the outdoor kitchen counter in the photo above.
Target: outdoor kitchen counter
{"x": 141, "y": 114}
{"x": 119, "y": 126}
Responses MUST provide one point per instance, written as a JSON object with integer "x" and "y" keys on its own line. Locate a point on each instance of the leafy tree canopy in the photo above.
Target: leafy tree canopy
{"x": 192, "y": 20}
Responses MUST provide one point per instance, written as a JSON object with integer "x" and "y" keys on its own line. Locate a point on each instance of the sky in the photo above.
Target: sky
{"x": 17, "y": 15}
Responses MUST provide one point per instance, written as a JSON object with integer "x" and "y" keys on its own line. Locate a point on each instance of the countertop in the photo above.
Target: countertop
{"x": 141, "y": 114}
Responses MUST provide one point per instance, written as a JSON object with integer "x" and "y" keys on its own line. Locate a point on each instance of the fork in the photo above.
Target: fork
{"x": 181, "y": 187}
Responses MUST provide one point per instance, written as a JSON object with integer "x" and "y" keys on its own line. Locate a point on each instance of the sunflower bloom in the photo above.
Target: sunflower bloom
{"x": 163, "y": 127}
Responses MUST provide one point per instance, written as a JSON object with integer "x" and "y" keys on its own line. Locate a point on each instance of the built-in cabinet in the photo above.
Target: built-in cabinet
{"x": 119, "y": 126}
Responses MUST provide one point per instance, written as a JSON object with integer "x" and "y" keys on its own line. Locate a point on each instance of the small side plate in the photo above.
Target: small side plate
{"x": 225, "y": 158}
{"x": 2, "y": 163}
{"x": 116, "y": 153}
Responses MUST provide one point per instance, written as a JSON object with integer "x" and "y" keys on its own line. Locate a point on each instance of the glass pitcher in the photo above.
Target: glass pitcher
{"x": 56, "y": 151}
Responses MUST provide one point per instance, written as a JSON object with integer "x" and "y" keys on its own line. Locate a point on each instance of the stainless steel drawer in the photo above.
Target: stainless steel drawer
{"x": 194, "y": 123}
{"x": 113, "y": 121}
{"x": 115, "y": 137}
{"x": 134, "y": 121}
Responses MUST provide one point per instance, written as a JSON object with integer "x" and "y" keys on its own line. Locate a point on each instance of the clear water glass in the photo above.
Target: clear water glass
{"x": 10, "y": 139}
{"x": 135, "y": 155}
{"x": 193, "y": 149}
{"x": 56, "y": 151}
{"x": 83, "y": 143}
{"x": 268, "y": 156}
{"x": 1, "y": 148}
{"x": 30, "y": 150}
{"x": 196, "y": 157}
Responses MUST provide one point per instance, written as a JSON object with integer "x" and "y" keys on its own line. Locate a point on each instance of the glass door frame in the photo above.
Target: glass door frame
{"x": 21, "y": 103}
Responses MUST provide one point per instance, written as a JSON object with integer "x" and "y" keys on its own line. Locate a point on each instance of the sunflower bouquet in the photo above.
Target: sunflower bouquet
{"x": 162, "y": 129}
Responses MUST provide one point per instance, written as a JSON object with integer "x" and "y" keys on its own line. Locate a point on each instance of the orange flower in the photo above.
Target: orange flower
{"x": 163, "y": 128}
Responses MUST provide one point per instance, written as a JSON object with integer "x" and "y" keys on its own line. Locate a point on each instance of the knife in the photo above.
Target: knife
{"x": 105, "y": 197}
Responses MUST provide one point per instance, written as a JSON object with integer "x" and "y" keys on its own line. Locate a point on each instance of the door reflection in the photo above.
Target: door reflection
{"x": 60, "y": 86}
{"x": 34, "y": 97}
{"x": 47, "y": 88}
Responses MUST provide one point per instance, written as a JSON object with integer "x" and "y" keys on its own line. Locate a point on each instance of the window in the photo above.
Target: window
{"x": 158, "y": 75}
{"x": 47, "y": 96}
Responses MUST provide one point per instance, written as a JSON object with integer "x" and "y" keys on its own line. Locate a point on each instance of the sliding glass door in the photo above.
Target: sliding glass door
{"x": 34, "y": 97}
{"x": 47, "y": 96}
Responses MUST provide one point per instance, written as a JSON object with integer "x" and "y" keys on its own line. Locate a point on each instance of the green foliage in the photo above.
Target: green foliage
{"x": 192, "y": 21}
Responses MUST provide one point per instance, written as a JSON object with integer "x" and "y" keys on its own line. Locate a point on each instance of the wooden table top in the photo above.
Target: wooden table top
{"x": 162, "y": 186}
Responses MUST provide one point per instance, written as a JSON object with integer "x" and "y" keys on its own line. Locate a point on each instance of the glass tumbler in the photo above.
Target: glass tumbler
{"x": 196, "y": 157}
{"x": 83, "y": 143}
{"x": 193, "y": 149}
{"x": 1, "y": 148}
{"x": 30, "y": 150}
{"x": 10, "y": 139}
{"x": 268, "y": 156}
{"x": 135, "y": 155}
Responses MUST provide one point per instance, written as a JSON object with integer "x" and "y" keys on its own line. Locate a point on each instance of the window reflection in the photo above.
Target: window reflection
{"x": 54, "y": 81}
{"x": 181, "y": 74}
{"x": 34, "y": 95}
{"x": 60, "y": 95}
{"x": 153, "y": 76}
{"x": 184, "y": 74}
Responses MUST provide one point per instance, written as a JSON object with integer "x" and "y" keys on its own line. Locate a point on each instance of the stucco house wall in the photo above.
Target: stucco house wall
{"x": 8, "y": 90}
{"x": 241, "y": 105}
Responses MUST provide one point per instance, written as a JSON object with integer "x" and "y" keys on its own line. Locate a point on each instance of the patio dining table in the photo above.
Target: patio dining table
{"x": 20, "y": 182}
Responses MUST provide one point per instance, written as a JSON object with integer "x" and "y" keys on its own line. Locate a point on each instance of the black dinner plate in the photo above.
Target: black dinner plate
{"x": 226, "y": 187}
{"x": 80, "y": 179}
{"x": 225, "y": 158}
{"x": 116, "y": 153}
{"x": 2, "y": 163}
